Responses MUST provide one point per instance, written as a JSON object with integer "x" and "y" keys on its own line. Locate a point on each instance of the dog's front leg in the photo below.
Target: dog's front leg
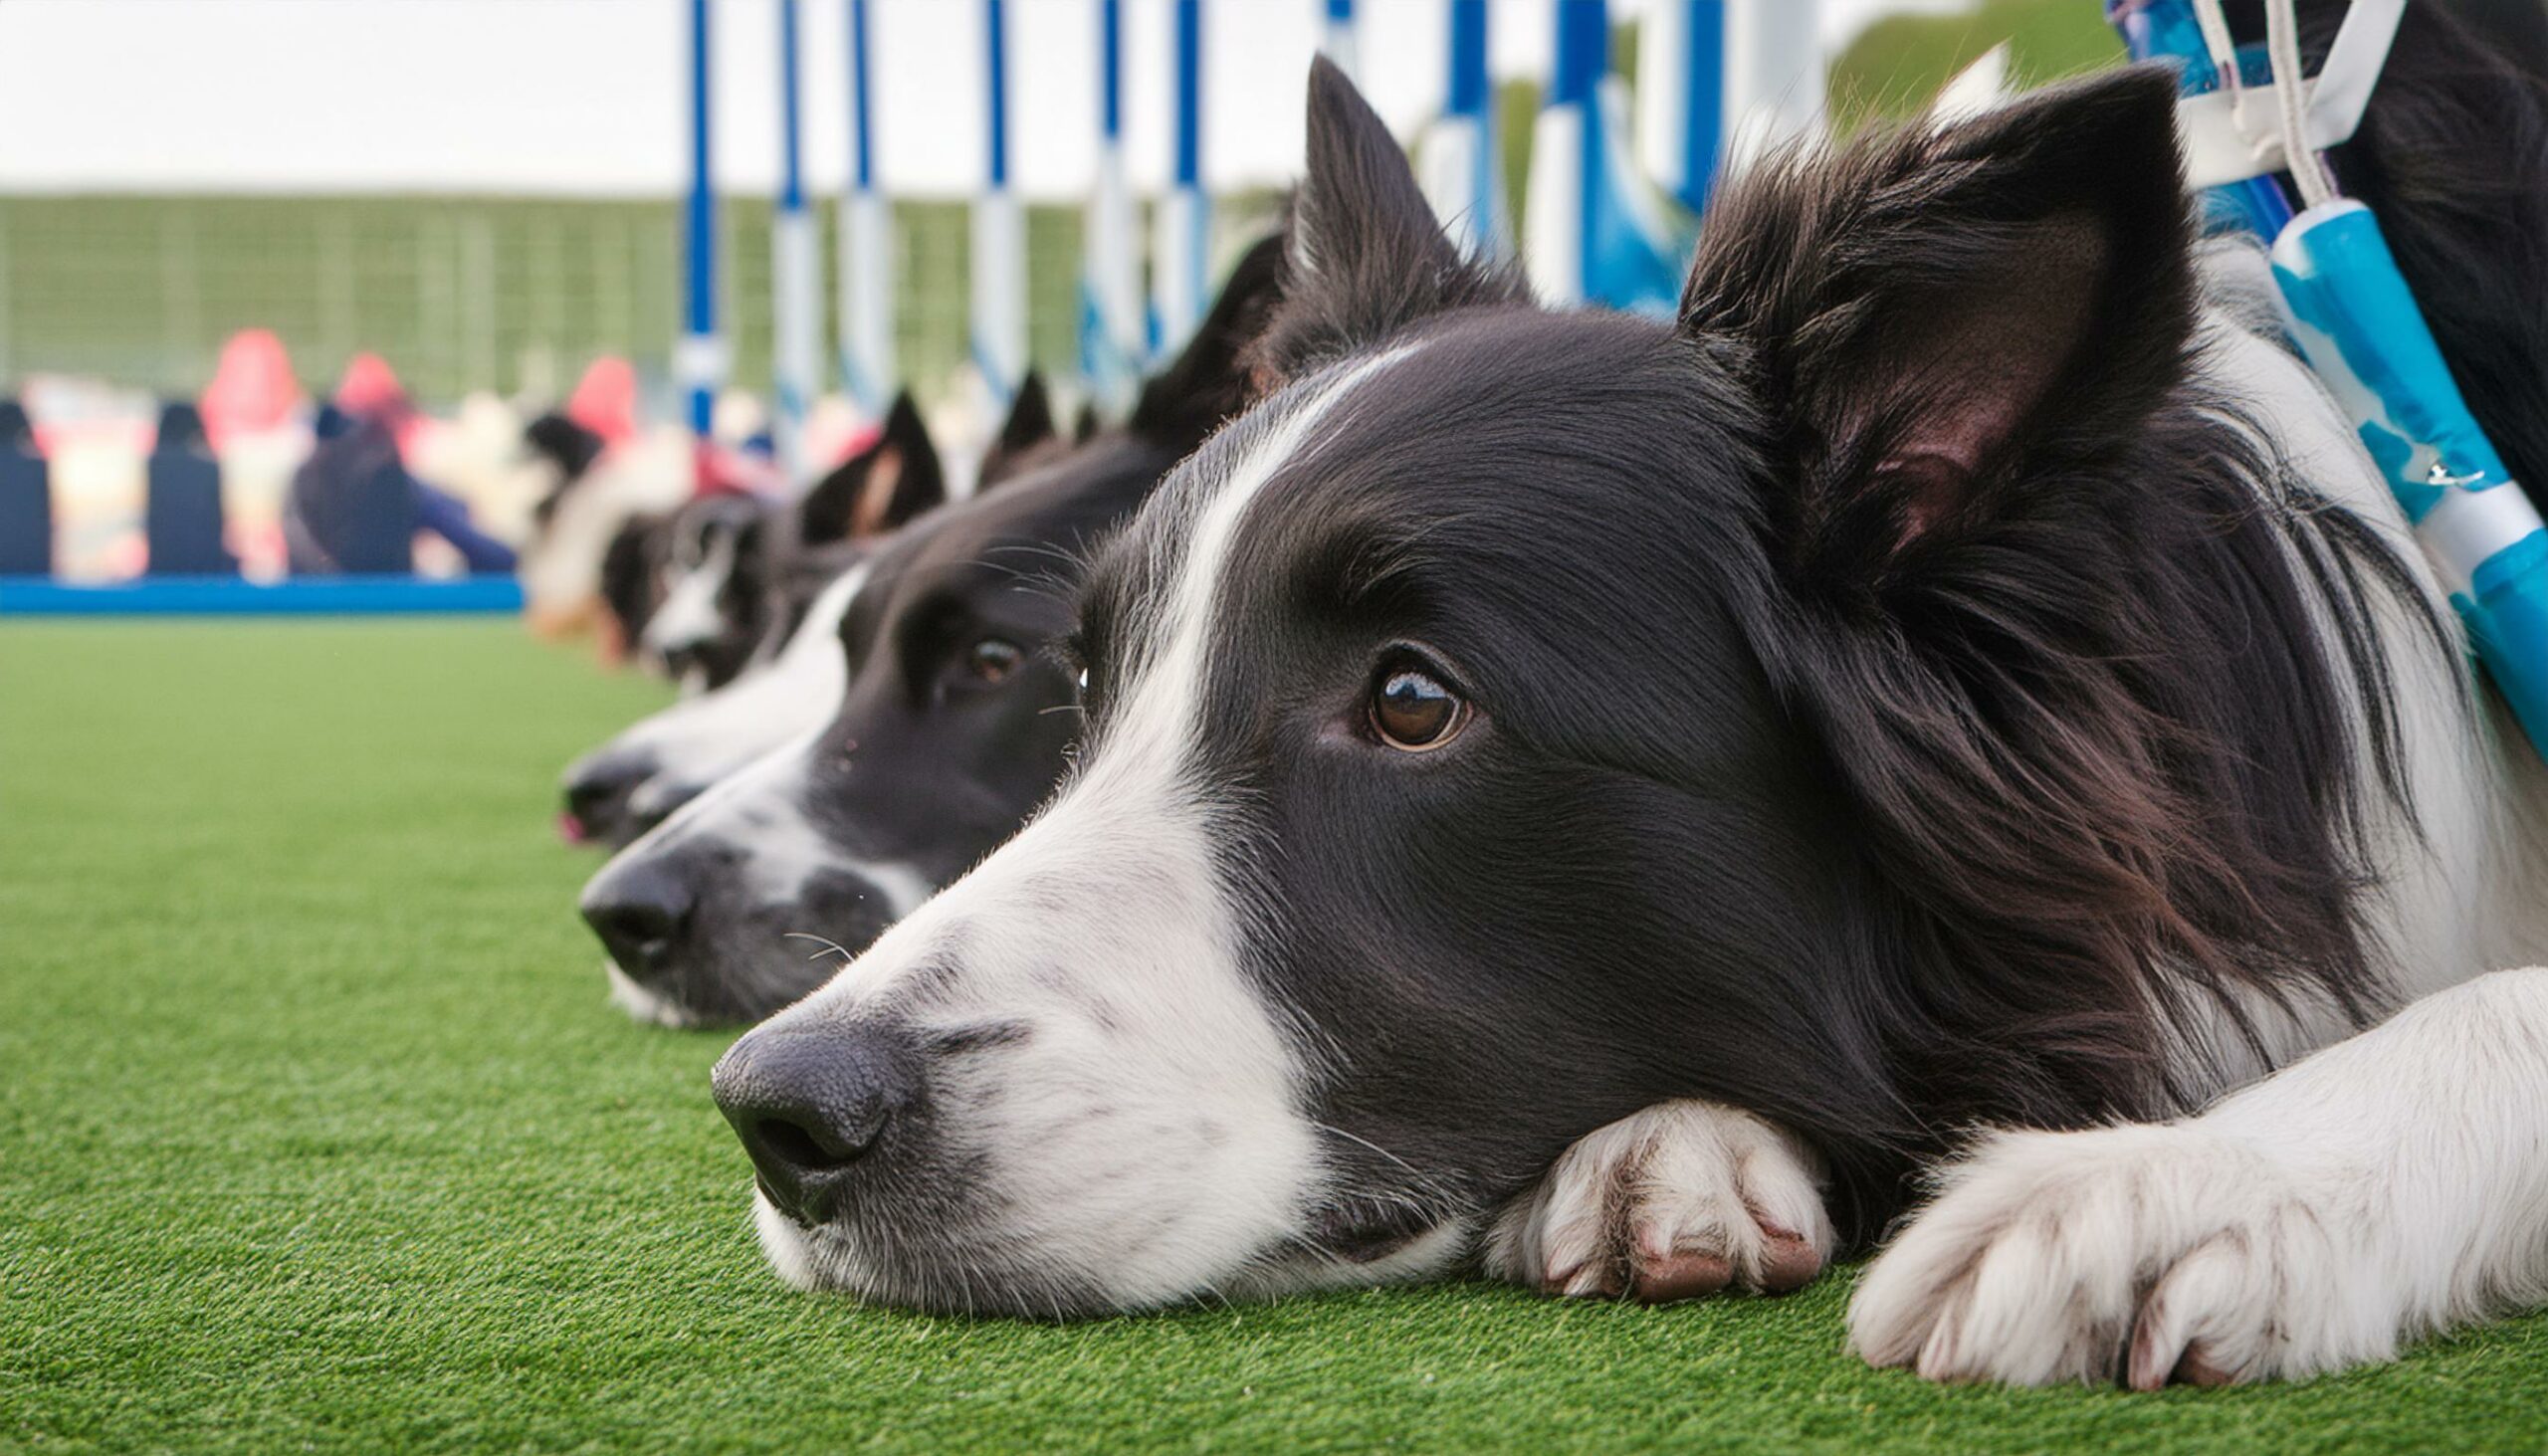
{"x": 1684, "y": 1198}
{"x": 2390, "y": 1185}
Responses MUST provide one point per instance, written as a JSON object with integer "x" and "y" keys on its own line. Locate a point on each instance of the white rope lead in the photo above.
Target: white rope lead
{"x": 2283, "y": 48}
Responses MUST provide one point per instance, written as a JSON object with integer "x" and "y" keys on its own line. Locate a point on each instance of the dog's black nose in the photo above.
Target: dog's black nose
{"x": 597, "y": 792}
{"x": 813, "y": 1104}
{"x": 640, "y": 909}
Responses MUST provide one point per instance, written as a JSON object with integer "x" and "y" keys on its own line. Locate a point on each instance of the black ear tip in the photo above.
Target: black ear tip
{"x": 1334, "y": 101}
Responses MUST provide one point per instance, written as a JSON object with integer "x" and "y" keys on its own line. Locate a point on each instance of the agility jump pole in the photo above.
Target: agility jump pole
{"x": 866, "y": 245}
{"x": 700, "y": 360}
{"x": 999, "y": 231}
{"x": 1459, "y": 157}
{"x": 795, "y": 268}
{"x": 1594, "y": 235}
{"x": 1681, "y": 97}
{"x": 1340, "y": 39}
{"x": 1774, "y": 75}
{"x": 1185, "y": 214}
{"x": 1111, "y": 352}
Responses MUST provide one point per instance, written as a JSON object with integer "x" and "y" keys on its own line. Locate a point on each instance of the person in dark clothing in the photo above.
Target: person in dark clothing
{"x": 182, "y": 517}
{"x": 355, "y": 508}
{"x": 26, "y": 497}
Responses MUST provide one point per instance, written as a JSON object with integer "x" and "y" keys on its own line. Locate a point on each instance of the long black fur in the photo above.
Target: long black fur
{"x": 1904, "y": 694}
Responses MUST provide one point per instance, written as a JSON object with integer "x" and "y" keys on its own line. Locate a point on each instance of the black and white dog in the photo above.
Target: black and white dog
{"x": 792, "y": 562}
{"x": 709, "y": 608}
{"x": 1618, "y": 797}
{"x": 955, "y": 720}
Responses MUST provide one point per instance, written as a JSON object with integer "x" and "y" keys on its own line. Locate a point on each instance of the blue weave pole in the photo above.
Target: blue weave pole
{"x": 1113, "y": 331}
{"x": 867, "y": 364}
{"x": 1592, "y": 234}
{"x": 699, "y": 362}
{"x": 1458, "y": 159}
{"x": 1184, "y": 217}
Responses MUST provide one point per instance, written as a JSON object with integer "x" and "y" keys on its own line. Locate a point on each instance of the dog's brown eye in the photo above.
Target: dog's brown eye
{"x": 995, "y": 660}
{"x": 1412, "y": 709}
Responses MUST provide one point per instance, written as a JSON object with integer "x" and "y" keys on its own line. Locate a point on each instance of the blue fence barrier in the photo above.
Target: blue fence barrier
{"x": 34, "y": 597}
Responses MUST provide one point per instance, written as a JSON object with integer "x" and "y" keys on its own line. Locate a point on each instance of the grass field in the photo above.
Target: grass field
{"x": 315, "y": 1132}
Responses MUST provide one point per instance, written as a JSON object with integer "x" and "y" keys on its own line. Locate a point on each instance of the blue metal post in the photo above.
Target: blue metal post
{"x": 700, "y": 363}
{"x": 795, "y": 274}
{"x": 1185, "y": 214}
{"x": 999, "y": 232}
{"x": 1458, "y": 158}
{"x": 1680, "y": 96}
{"x": 1112, "y": 333}
{"x": 866, "y": 245}
{"x": 1340, "y": 41}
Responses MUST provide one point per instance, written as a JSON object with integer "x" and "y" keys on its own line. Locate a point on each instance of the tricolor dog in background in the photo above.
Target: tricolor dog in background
{"x": 956, "y": 721}
{"x": 791, "y": 564}
{"x": 1619, "y": 800}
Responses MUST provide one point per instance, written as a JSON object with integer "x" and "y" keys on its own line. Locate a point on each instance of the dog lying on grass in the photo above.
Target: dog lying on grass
{"x": 955, "y": 719}
{"x": 1617, "y": 800}
{"x": 787, "y": 565}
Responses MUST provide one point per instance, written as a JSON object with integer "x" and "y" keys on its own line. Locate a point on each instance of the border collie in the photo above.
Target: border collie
{"x": 792, "y": 679}
{"x": 702, "y": 608}
{"x": 1614, "y": 798}
{"x": 954, "y": 722}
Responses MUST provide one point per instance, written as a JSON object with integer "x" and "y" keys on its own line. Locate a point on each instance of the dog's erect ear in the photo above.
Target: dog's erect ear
{"x": 1367, "y": 254}
{"x": 1084, "y": 429}
{"x": 878, "y": 488}
{"x": 1211, "y": 379}
{"x": 1934, "y": 314}
{"x": 1029, "y": 424}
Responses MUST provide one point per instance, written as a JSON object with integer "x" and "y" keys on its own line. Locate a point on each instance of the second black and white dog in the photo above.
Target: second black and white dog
{"x": 951, "y": 719}
{"x": 764, "y": 584}
{"x": 1616, "y": 798}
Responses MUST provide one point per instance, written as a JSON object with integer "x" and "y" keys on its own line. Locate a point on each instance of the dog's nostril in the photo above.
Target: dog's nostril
{"x": 813, "y": 1103}
{"x": 806, "y": 1150}
{"x": 639, "y": 911}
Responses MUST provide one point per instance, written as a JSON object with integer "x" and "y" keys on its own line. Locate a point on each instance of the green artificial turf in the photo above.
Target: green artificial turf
{"x": 316, "y": 1132}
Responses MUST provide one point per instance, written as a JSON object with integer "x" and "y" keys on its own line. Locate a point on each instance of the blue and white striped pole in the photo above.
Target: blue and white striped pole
{"x": 1340, "y": 41}
{"x": 1680, "y": 98}
{"x": 1112, "y": 329}
{"x": 1774, "y": 81}
{"x": 699, "y": 361}
{"x": 866, "y": 246}
{"x": 1459, "y": 157}
{"x": 795, "y": 274}
{"x": 1592, "y": 233}
{"x": 1184, "y": 213}
{"x": 999, "y": 232}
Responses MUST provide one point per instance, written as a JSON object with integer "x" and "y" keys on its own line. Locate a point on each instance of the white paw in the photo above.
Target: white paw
{"x": 2140, "y": 1254}
{"x": 1684, "y": 1198}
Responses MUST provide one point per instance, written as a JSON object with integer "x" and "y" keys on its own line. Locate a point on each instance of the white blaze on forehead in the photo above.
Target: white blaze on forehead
{"x": 1148, "y": 1122}
{"x": 1165, "y": 687}
{"x": 689, "y": 612}
{"x": 701, "y": 740}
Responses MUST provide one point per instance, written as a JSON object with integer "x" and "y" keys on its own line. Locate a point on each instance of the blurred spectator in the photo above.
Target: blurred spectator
{"x": 605, "y": 401}
{"x": 253, "y": 390}
{"x": 182, "y": 518}
{"x": 354, "y": 510}
{"x": 26, "y": 497}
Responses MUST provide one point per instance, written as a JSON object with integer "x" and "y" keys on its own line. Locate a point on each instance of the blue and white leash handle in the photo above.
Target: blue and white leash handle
{"x": 2354, "y": 319}
{"x": 2350, "y": 311}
